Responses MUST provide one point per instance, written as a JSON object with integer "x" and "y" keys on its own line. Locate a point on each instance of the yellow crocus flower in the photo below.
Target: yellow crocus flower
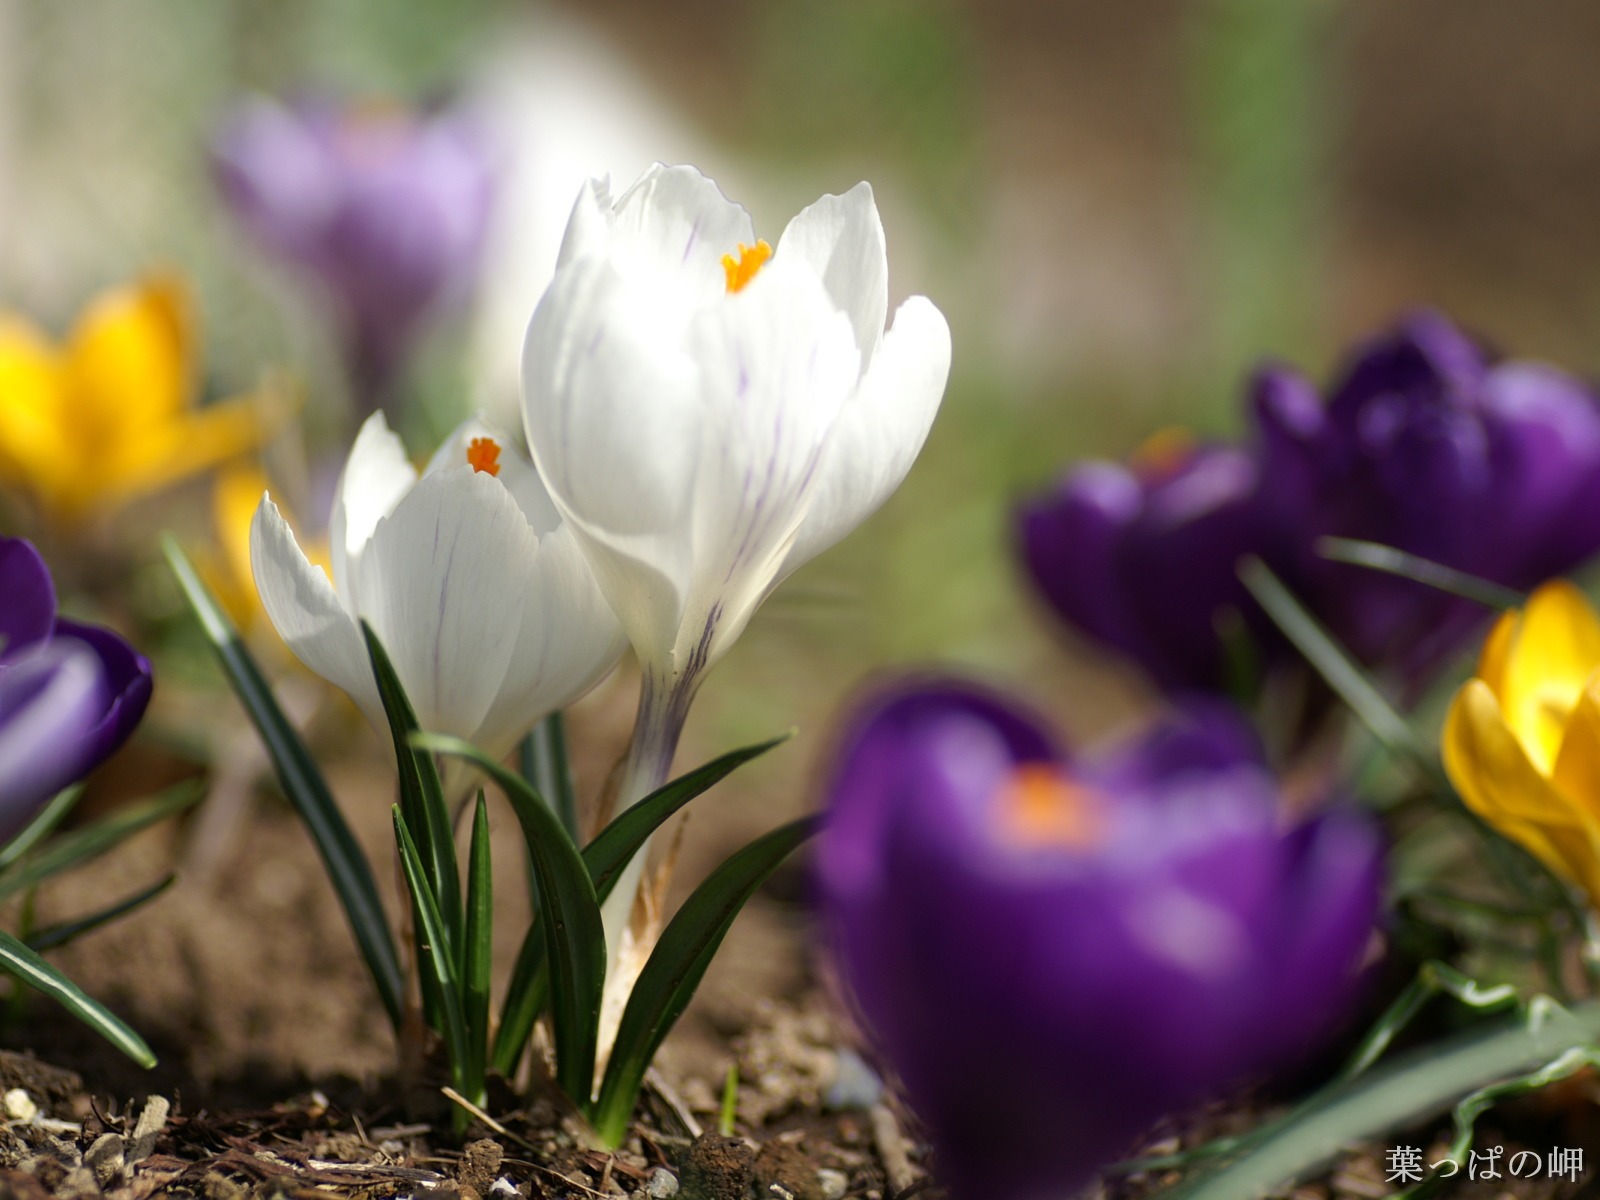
{"x": 1522, "y": 738}
{"x": 109, "y": 414}
{"x": 235, "y": 496}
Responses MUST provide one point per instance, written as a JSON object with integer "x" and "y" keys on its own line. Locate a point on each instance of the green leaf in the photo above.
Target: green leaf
{"x": 303, "y": 784}
{"x": 1336, "y": 667}
{"x": 43, "y": 823}
{"x": 574, "y": 938}
{"x": 477, "y": 951}
{"x": 34, "y": 972}
{"x": 544, "y": 763}
{"x": 616, "y": 844}
{"x": 52, "y": 936}
{"x": 421, "y": 792}
{"x": 81, "y": 845}
{"x": 605, "y": 857}
{"x": 677, "y": 965}
{"x": 1425, "y": 1082}
{"x": 1425, "y": 571}
{"x": 433, "y": 955}
{"x": 527, "y": 993}
{"x": 1433, "y": 979}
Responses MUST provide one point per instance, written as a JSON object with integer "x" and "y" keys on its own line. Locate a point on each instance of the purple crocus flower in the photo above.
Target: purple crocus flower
{"x": 1425, "y": 444}
{"x": 387, "y": 209}
{"x": 70, "y": 694}
{"x": 1428, "y": 445}
{"x": 1052, "y": 955}
{"x": 1142, "y": 557}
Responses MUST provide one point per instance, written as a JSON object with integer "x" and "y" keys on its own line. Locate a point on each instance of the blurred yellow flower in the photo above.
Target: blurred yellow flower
{"x": 108, "y": 415}
{"x": 1522, "y": 738}
{"x": 234, "y": 499}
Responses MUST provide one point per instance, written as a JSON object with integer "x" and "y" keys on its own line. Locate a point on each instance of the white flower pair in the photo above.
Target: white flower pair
{"x": 705, "y": 414}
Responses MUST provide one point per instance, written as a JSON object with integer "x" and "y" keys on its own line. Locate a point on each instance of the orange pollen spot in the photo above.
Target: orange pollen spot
{"x": 1040, "y": 807}
{"x": 742, "y": 270}
{"x": 1163, "y": 453}
{"x": 484, "y": 455}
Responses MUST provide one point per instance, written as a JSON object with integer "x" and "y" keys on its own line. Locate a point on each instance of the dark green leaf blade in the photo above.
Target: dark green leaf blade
{"x": 432, "y": 952}
{"x": 569, "y": 914}
{"x": 527, "y": 993}
{"x": 52, "y": 936}
{"x": 44, "y": 821}
{"x": 42, "y": 977}
{"x": 303, "y": 784}
{"x": 546, "y": 767}
{"x": 677, "y": 965}
{"x": 619, "y": 841}
{"x": 81, "y": 845}
{"x": 421, "y": 793}
{"x": 477, "y": 951}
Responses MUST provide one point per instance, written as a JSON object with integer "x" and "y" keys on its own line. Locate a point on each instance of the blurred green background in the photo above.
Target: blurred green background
{"x": 1120, "y": 207}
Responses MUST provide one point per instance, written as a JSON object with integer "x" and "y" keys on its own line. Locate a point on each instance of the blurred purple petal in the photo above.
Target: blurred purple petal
{"x": 1046, "y": 991}
{"x": 28, "y": 610}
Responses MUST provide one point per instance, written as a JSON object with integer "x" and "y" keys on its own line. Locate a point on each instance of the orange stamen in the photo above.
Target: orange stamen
{"x": 1040, "y": 807}
{"x": 742, "y": 270}
{"x": 484, "y": 455}
{"x": 1162, "y": 454}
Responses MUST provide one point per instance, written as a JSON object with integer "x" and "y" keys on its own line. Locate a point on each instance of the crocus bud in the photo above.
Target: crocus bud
{"x": 70, "y": 694}
{"x": 1052, "y": 955}
{"x": 386, "y": 208}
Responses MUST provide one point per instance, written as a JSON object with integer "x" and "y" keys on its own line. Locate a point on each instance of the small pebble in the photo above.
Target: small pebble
{"x": 18, "y": 1105}
{"x": 662, "y": 1183}
{"x": 855, "y": 1085}
{"x": 832, "y": 1183}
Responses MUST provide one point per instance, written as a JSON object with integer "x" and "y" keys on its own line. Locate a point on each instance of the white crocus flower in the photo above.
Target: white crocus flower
{"x": 709, "y": 413}
{"x": 467, "y": 575}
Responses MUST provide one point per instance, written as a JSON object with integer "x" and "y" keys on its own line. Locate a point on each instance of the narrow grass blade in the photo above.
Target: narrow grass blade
{"x": 574, "y": 938}
{"x": 477, "y": 952}
{"x": 1335, "y": 666}
{"x": 677, "y": 965}
{"x": 1433, "y": 979}
{"x": 614, "y": 847}
{"x": 33, "y": 971}
{"x": 526, "y": 996}
{"x": 81, "y": 845}
{"x": 432, "y": 954}
{"x": 421, "y": 793}
{"x": 1425, "y": 571}
{"x": 303, "y": 784}
{"x": 52, "y": 936}
{"x": 1425, "y": 1082}
{"x": 545, "y": 765}
{"x": 43, "y": 823}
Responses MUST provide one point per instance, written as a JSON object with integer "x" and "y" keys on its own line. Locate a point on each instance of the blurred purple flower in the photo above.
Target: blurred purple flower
{"x": 1054, "y": 955}
{"x": 1425, "y": 444}
{"x": 386, "y": 208}
{"x": 70, "y": 694}
{"x": 1142, "y": 557}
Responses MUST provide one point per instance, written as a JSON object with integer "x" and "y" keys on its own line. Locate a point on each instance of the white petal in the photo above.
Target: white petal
{"x": 841, "y": 237}
{"x": 880, "y": 431}
{"x": 516, "y": 472}
{"x": 307, "y": 614}
{"x": 777, "y": 362}
{"x": 375, "y": 476}
{"x": 569, "y": 640}
{"x": 675, "y": 225}
{"x": 442, "y": 585}
{"x": 589, "y": 227}
{"x": 613, "y": 424}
